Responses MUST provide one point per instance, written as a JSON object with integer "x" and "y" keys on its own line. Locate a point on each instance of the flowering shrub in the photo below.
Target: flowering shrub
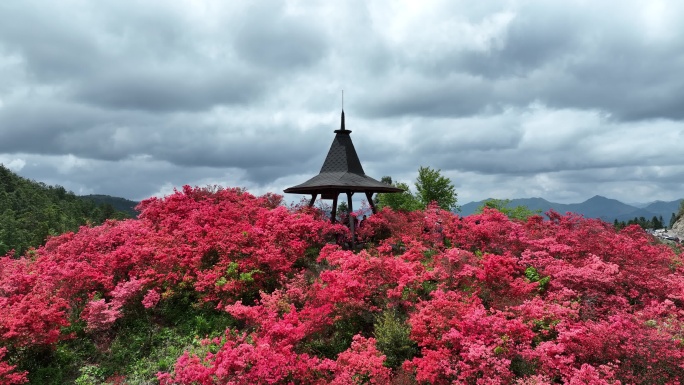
{"x": 8, "y": 375}
{"x": 248, "y": 360}
{"x": 470, "y": 300}
{"x": 361, "y": 364}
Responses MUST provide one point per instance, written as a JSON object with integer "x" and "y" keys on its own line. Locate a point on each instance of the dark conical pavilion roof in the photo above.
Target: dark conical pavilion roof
{"x": 341, "y": 171}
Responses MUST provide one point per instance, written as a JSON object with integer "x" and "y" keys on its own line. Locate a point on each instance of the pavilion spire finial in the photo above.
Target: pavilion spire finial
{"x": 343, "y": 129}
{"x": 342, "y": 126}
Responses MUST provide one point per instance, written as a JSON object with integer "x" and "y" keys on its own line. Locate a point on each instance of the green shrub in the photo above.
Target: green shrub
{"x": 90, "y": 375}
{"x": 393, "y": 338}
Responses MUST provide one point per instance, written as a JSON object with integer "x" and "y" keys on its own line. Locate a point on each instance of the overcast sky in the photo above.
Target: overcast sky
{"x": 510, "y": 99}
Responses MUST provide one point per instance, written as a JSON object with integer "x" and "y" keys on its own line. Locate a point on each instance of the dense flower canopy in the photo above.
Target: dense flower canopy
{"x": 432, "y": 298}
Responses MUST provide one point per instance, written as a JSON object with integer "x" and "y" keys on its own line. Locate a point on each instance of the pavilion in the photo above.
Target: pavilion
{"x": 342, "y": 173}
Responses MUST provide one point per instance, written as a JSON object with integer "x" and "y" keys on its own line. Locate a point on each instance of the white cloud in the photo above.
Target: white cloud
{"x": 16, "y": 164}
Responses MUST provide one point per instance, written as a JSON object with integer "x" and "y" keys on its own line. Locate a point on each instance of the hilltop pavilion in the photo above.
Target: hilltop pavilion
{"x": 342, "y": 173}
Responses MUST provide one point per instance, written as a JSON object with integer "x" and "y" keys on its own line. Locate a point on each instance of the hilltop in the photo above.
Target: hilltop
{"x": 217, "y": 286}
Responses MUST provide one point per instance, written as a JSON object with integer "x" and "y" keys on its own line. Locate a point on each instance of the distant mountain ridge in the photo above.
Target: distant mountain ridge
{"x": 596, "y": 207}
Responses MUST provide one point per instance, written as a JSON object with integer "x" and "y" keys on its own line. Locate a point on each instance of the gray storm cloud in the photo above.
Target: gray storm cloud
{"x": 509, "y": 99}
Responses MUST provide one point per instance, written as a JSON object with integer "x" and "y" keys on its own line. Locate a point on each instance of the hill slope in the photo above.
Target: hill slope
{"x": 31, "y": 211}
{"x": 119, "y": 204}
{"x": 219, "y": 287}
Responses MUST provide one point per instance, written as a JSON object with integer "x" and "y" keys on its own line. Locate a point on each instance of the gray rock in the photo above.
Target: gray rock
{"x": 678, "y": 228}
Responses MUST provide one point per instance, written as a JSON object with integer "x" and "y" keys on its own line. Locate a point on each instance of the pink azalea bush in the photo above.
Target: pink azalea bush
{"x": 432, "y": 298}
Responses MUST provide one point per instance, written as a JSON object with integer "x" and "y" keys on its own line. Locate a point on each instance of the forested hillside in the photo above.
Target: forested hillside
{"x": 119, "y": 204}
{"x": 31, "y": 211}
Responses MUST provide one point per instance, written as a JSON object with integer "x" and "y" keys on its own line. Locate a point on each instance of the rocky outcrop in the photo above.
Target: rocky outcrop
{"x": 678, "y": 228}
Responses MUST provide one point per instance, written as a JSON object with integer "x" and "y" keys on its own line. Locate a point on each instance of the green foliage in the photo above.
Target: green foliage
{"x": 392, "y": 336}
{"x": 502, "y": 205}
{"x": 533, "y": 276}
{"x": 522, "y": 367}
{"x": 342, "y": 212}
{"x": 657, "y": 222}
{"x": 31, "y": 211}
{"x": 653, "y": 223}
{"x": 143, "y": 344}
{"x": 47, "y": 366}
{"x": 431, "y": 187}
{"x": 115, "y": 204}
{"x": 405, "y": 200}
{"x": 336, "y": 338}
{"x": 342, "y": 208}
{"x": 90, "y": 375}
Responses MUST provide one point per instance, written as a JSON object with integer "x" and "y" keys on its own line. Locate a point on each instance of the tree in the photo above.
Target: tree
{"x": 431, "y": 187}
{"x": 342, "y": 212}
{"x": 386, "y": 180}
{"x": 656, "y": 224}
{"x": 404, "y": 200}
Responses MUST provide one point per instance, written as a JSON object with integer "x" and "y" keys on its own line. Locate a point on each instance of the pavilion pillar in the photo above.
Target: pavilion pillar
{"x": 351, "y": 219}
{"x": 313, "y": 199}
{"x": 333, "y": 214}
{"x": 369, "y": 196}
